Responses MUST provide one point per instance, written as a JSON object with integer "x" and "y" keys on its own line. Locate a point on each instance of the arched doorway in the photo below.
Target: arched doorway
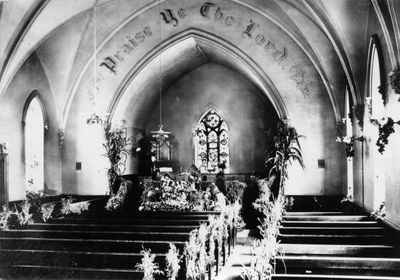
{"x": 34, "y": 144}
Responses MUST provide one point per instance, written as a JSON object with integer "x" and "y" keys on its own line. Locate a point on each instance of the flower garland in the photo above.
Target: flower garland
{"x": 386, "y": 128}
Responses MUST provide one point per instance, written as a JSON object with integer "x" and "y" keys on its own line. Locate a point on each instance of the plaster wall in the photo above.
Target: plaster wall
{"x": 30, "y": 77}
{"x": 308, "y": 104}
{"x": 364, "y": 164}
{"x": 239, "y": 103}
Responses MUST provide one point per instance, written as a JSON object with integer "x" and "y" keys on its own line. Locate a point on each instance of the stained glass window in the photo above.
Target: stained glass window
{"x": 211, "y": 141}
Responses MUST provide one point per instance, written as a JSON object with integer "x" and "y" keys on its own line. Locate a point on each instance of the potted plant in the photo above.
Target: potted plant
{"x": 286, "y": 149}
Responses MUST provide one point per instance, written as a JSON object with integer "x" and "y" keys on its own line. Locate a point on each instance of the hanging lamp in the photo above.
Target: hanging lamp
{"x": 95, "y": 117}
{"x": 160, "y": 135}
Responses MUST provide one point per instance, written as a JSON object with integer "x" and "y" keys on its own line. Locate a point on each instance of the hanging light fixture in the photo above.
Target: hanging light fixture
{"x": 160, "y": 135}
{"x": 95, "y": 118}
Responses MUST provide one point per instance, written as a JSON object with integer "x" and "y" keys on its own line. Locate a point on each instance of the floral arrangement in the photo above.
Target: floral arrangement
{"x": 172, "y": 260}
{"x": 119, "y": 199}
{"x": 47, "y": 211}
{"x": 177, "y": 195}
{"x": 116, "y": 146}
{"x": 349, "y": 141}
{"x": 386, "y": 128}
{"x": 79, "y": 207}
{"x": 148, "y": 266}
{"x": 66, "y": 205}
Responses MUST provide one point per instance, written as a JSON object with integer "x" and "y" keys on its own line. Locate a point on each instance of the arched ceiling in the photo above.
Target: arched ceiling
{"x": 182, "y": 54}
{"x": 61, "y": 33}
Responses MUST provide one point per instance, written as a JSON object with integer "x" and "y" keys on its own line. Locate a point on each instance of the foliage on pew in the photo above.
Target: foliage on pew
{"x": 200, "y": 251}
{"x": 171, "y": 195}
{"x": 265, "y": 250}
{"x": 148, "y": 266}
{"x": 173, "y": 260}
{"x": 196, "y": 255}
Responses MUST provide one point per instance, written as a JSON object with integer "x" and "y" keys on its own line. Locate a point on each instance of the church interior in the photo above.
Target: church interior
{"x": 130, "y": 125}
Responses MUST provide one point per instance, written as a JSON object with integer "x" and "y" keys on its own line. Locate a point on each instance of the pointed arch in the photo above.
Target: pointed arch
{"x": 376, "y": 110}
{"x": 34, "y": 122}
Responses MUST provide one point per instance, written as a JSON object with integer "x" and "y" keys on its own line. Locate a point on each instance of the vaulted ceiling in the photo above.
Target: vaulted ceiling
{"x": 61, "y": 34}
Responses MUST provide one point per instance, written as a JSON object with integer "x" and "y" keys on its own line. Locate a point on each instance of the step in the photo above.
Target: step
{"x": 103, "y": 227}
{"x": 327, "y": 277}
{"x": 94, "y": 245}
{"x": 315, "y": 213}
{"x": 177, "y": 213}
{"x": 64, "y": 272}
{"x": 329, "y": 223}
{"x": 339, "y": 250}
{"x": 165, "y": 236}
{"x": 74, "y": 258}
{"x": 334, "y": 218}
{"x": 188, "y": 222}
{"x": 333, "y": 239}
{"x": 332, "y": 230}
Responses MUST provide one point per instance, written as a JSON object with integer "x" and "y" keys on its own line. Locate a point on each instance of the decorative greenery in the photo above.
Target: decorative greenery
{"x": 66, "y": 205}
{"x": 25, "y": 217}
{"x": 119, "y": 199}
{"x": 47, "y": 211}
{"x": 195, "y": 253}
{"x": 380, "y": 213}
{"x": 172, "y": 260}
{"x": 286, "y": 149}
{"x": 178, "y": 195}
{"x": 148, "y": 266}
{"x": 235, "y": 191}
{"x": 358, "y": 111}
{"x": 17, "y": 218}
{"x": 349, "y": 141}
{"x": 386, "y": 127}
{"x": 394, "y": 80}
{"x": 265, "y": 250}
{"x": 116, "y": 146}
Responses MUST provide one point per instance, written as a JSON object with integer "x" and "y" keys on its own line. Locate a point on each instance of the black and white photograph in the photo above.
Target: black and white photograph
{"x": 200, "y": 139}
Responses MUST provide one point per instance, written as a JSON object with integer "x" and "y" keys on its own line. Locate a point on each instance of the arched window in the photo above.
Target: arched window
{"x": 377, "y": 111}
{"x": 375, "y": 81}
{"x": 211, "y": 142}
{"x": 34, "y": 144}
